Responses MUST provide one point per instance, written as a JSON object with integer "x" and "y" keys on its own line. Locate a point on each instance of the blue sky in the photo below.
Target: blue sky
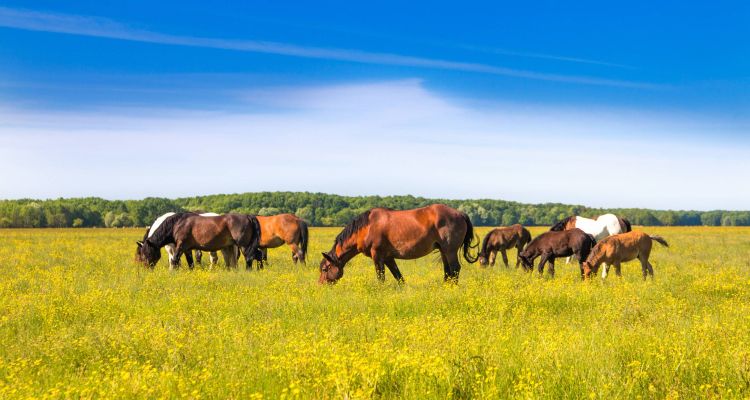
{"x": 632, "y": 105}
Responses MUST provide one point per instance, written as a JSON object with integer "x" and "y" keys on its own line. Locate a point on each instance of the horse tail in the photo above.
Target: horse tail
{"x": 660, "y": 240}
{"x": 255, "y": 243}
{"x": 303, "y": 237}
{"x": 468, "y": 240}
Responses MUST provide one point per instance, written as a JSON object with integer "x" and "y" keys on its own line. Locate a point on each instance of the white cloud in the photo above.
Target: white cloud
{"x": 377, "y": 138}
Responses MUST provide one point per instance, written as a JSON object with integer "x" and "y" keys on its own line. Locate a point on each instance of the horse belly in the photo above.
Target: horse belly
{"x": 271, "y": 242}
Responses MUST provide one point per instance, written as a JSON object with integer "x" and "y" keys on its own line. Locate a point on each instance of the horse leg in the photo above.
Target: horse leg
{"x": 227, "y": 254}
{"x": 198, "y": 256}
{"x": 505, "y": 258}
{"x": 552, "y": 266}
{"x": 175, "y": 263}
{"x": 542, "y": 261}
{"x": 618, "y": 271}
{"x": 297, "y": 254}
{"x": 519, "y": 249}
{"x": 604, "y": 270}
{"x": 446, "y": 267}
{"x": 454, "y": 266}
{"x": 493, "y": 255}
{"x": 650, "y": 268}
{"x": 189, "y": 259}
{"x": 644, "y": 266}
{"x": 249, "y": 254}
{"x": 567, "y": 260}
{"x": 170, "y": 253}
{"x": 391, "y": 264}
{"x": 214, "y": 259}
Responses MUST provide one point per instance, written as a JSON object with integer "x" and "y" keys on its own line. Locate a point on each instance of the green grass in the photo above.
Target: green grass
{"x": 79, "y": 319}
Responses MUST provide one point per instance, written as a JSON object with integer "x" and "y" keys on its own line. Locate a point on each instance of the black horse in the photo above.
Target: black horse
{"x": 553, "y": 244}
{"x": 190, "y": 231}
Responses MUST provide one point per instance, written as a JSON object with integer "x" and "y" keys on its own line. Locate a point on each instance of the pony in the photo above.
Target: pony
{"x": 190, "y": 231}
{"x": 386, "y": 235}
{"x": 553, "y": 244}
{"x": 501, "y": 239}
{"x": 230, "y": 254}
{"x": 278, "y": 229}
{"x": 617, "y": 249}
{"x": 601, "y": 227}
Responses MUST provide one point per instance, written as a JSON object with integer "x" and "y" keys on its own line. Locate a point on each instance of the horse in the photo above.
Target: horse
{"x": 278, "y": 229}
{"x": 601, "y": 227}
{"x": 501, "y": 239}
{"x": 617, "y": 249}
{"x": 189, "y": 231}
{"x": 553, "y": 244}
{"x": 230, "y": 254}
{"x": 386, "y": 235}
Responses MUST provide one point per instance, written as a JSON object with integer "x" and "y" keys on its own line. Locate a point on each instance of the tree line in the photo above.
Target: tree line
{"x": 320, "y": 209}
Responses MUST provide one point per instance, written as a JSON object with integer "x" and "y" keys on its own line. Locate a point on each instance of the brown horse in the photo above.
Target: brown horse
{"x": 617, "y": 249}
{"x": 502, "y": 239}
{"x": 386, "y": 235}
{"x": 276, "y": 230}
{"x": 553, "y": 244}
{"x": 190, "y": 231}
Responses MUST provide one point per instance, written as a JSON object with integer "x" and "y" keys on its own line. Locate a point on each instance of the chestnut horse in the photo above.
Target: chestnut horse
{"x": 190, "y": 231}
{"x": 502, "y": 239}
{"x": 553, "y": 244}
{"x": 386, "y": 235}
{"x": 617, "y": 249}
{"x": 276, "y": 230}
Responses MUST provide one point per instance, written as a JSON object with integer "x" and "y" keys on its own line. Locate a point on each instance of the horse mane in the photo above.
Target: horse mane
{"x": 163, "y": 234}
{"x": 359, "y": 222}
{"x": 485, "y": 243}
{"x": 560, "y": 226}
{"x": 627, "y": 227}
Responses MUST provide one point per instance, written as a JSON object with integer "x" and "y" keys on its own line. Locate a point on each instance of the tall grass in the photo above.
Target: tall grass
{"x": 78, "y": 319}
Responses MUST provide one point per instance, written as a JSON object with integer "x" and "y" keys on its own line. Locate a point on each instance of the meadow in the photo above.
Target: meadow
{"x": 79, "y": 319}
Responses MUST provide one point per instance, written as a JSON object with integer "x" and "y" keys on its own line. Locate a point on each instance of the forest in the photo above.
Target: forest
{"x": 321, "y": 209}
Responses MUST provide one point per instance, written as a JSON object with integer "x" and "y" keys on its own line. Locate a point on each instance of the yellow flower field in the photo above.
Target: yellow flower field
{"x": 79, "y": 319}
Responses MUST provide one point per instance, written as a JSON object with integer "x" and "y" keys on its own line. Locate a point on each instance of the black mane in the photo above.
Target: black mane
{"x": 163, "y": 234}
{"x": 352, "y": 227}
{"x": 560, "y": 226}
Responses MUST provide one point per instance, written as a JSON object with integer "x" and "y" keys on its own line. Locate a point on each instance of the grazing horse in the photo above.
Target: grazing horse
{"x": 230, "y": 254}
{"x": 553, "y": 244}
{"x": 617, "y": 249}
{"x": 386, "y": 235}
{"x": 601, "y": 227}
{"x": 279, "y": 229}
{"x": 190, "y": 231}
{"x": 502, "y": 239}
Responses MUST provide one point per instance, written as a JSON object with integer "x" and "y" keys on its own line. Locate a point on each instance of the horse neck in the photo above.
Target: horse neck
{"x": 158, "y": 223}
{"x": 161, "y": 238}
{"x": 347, "y": 250}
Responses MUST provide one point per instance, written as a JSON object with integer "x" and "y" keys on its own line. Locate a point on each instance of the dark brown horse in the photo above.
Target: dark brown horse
{"x": 502, "y": 239}
{"x": 190, "y": 231}
{"x": 554, "y": 244}
{"x": 386, "y": 235}
{"x": 283, "y": 228}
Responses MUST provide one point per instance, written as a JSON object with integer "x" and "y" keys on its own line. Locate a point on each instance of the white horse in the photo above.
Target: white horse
{"x": 600, "y": 228}
{"x": 230, "y": 254}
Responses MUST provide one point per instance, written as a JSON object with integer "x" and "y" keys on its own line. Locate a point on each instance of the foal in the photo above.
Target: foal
{"x": 553, "y": 244}
{"x": 502, "y": 239}
{"x": 621, "y": 248}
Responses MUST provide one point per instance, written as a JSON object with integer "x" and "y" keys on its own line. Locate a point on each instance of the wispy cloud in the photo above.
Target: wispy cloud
{"x": 544, "y": 56}
{"x": 106, "y": 28}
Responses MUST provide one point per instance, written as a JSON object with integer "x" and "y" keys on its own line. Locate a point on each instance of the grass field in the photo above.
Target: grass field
{"x": 78, "y": 319}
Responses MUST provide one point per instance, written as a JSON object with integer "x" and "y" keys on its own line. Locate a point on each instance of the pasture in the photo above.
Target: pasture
{"x": 79, "y": 319}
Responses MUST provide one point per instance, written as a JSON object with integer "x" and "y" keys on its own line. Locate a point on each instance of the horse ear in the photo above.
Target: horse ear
{"x": 139, "y": 243}
{"x": 329, "y": 258}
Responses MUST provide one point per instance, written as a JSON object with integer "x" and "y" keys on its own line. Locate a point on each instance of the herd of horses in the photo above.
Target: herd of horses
{"x": 387, "y": 235}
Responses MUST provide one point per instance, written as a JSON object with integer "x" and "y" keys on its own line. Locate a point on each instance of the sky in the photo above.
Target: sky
{"x": 638, "y": 104}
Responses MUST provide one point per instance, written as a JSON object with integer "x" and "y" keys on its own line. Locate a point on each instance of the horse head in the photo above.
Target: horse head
{"x": 331, "y": 268}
